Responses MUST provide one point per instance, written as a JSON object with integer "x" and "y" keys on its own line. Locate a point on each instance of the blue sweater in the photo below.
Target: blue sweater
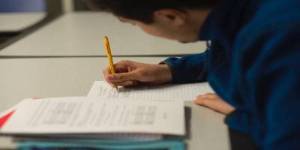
{"x": 253, "y": 63}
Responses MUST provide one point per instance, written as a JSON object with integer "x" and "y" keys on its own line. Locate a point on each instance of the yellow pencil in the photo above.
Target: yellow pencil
{"x": 109, "y": 56}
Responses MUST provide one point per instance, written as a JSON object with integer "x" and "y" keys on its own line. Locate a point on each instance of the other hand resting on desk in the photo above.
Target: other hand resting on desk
{"x": 215, "y": 103}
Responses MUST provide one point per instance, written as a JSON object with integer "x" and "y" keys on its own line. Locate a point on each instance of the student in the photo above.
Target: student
{"x": 252, "y": 61}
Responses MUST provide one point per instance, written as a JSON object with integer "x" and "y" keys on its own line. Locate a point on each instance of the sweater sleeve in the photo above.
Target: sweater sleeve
{"x": 191, "y": 68}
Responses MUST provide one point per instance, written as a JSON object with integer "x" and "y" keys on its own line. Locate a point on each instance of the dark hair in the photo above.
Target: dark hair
{"x": 142, "y": 10}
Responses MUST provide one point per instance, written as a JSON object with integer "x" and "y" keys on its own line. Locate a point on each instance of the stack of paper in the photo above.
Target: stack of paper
{"x": 81, "y": 120}
{"x": 92, "y": 116}
{"x": 131, "y": 118}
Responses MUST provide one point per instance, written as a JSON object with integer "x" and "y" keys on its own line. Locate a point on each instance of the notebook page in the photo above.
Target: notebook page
{"x": 177, "y": 92}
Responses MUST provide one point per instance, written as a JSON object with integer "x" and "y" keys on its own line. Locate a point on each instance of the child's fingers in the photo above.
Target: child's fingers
{"x": 126, "y": 83}
{"x": 123, "y": 77}
{"x": 211, "y": 96}
{"x": 215, "y": 103}
{"x": 122, "y": 66}
{"x": 106, "y": 72}
{"x": 206, "y": 101}
{"x": 107, "y": 76}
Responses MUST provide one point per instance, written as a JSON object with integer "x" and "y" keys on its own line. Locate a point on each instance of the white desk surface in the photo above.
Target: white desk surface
{"x": 81, "y": 33}
{"x": 15, "y": 22}
{"x": 25, "y": 78}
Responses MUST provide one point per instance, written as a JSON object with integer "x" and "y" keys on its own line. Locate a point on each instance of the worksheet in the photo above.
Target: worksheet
{"x": 94, "y": 115}
{"x": 175, "y": 92}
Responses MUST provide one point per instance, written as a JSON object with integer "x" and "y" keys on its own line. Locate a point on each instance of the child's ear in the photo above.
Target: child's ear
{"x": 170, "y": 17}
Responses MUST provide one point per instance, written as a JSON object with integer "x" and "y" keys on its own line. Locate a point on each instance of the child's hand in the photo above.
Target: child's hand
{"x": 130, "y": 73}
{"x": 215, "y": 103}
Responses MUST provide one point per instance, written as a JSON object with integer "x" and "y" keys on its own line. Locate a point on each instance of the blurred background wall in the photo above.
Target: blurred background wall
{"x": 22, "y": 5}
{"x": 42, "y": 5}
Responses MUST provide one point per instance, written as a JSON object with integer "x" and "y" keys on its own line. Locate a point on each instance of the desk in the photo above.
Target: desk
{"x": 81, "y": 34}
{"x": 16, "y": 22}
{"x": 54, "y": 77}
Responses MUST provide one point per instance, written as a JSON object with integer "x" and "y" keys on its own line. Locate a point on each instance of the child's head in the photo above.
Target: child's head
{"x": 173, "y": 19}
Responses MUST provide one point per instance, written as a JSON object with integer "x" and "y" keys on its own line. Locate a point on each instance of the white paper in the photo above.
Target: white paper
{"x": 82, "y": 115}
{"x": 176, "y": 92}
